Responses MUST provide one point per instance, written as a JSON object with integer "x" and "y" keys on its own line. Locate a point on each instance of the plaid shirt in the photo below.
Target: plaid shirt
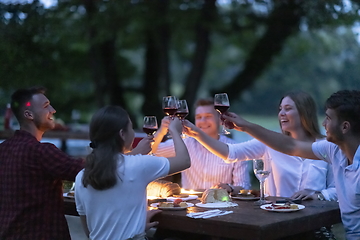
{"x": 31, "y": 201}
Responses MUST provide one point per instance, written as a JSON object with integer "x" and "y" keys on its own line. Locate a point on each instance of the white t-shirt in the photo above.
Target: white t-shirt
{"x": 206, "y": 168}
{"x": 120, "y": 212}
{"x": 289, "y": 174}
{"x": 347, "y": 182}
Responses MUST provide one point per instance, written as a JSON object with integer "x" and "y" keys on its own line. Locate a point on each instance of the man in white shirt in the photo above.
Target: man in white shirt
{"x": 207, "y": 170}
{"x": 341, "y": 150}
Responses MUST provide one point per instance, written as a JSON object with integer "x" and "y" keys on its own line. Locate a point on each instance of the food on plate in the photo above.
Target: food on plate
{"x": 166, "y": 204}
{"x": 181, "y": 195}
{"x": 246, "y": 193}
{"x": 70, "y": 194}
{"x": 214, "y": 195}
{"x": 177, "y": 201}
{"x": 287, "y": 205}
{"x": 172, "y": 204}
{"x": 162, "y": 188}
{"x": 183, "y": 204}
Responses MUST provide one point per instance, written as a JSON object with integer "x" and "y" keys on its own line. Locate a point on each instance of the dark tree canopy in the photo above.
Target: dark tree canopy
{"x": 90, "y": 53}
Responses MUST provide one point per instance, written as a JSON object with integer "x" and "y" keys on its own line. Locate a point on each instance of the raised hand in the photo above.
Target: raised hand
{"x": 164, "y": 126}
{"x": 175, "y": 126}
{"x": 234, "y": 121}
{"x": 190, "y": 129}
{"x": 144, "y": 146}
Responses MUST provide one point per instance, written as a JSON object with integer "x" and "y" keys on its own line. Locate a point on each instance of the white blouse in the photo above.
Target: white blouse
{"x": 289, "y": 174}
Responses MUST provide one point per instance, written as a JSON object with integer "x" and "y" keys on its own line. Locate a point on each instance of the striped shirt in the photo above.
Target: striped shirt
{"x": 206, "y": 168}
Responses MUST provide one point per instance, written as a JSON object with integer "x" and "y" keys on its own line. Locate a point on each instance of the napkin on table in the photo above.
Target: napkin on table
{"x": 208, "y": 214}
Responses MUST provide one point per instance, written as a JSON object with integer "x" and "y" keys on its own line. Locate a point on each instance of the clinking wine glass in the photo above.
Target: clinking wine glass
{"x": 182, "y": 112}
{"x": 262, "y": 170}
{"x": 150, "y": 126}
{"x": 222, "y": 104}
{"x": 170, "y": 105}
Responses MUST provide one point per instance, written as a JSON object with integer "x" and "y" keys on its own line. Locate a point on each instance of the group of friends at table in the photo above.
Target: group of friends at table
{"x": 110, "y": 184}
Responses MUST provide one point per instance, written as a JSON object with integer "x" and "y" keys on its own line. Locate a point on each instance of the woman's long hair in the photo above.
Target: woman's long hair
{"x": 306, "y": 107}
{"x": 102, "y": 162}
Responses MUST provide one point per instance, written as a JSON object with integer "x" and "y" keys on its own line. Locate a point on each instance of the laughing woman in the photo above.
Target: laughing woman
{"x": 292, "y": 177}
{"x": 110, "y": 192}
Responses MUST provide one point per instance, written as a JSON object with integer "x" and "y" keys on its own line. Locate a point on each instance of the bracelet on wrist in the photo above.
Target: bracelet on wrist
{"x": 320, "y": 196}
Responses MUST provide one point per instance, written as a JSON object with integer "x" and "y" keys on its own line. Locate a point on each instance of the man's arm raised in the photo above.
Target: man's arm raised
{"x": 216, "y": 147}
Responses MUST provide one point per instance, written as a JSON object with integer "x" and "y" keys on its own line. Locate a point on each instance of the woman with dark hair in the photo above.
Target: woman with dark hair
{"x": 291, "y": 176}
{"x": 110, "y": 192}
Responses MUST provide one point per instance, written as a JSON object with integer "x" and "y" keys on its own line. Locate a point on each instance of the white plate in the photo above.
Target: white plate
{"x": 268, "y": 207}
{"x": 248, "y": 198}
{"x": 171, "y": 208}
{"x": 67, "y": 196}
{"x": 217, "y": 205}
{"x": 190, "y": 197}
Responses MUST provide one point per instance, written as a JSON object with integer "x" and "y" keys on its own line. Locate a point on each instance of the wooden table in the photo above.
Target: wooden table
{"x": 248, "y": 222}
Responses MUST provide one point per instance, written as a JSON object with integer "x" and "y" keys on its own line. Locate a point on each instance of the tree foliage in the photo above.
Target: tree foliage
{"x": 90, "y": 53}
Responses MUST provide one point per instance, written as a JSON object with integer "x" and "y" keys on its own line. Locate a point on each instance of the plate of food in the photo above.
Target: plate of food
{"x": 282, "y": 207}
{"x": 217, "y": 204}
{"x": 247, "y": 195}
{"x": 172, "y": 206}
{"x": 70, "y": 194}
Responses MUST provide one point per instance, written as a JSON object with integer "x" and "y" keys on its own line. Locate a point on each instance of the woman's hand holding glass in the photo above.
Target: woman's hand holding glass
{"x": 191, "y": 130}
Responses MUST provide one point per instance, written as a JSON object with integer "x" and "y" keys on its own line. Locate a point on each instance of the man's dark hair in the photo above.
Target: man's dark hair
{"x": 346, "y": 104}
{"x": 204, "y": 102}
{"x": 20, "y": 97}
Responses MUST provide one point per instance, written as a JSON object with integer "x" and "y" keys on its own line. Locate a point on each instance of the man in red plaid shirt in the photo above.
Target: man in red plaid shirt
{"x": 31, "y": 173}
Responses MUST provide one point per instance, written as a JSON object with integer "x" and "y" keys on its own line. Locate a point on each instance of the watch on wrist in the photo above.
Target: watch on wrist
{"x": 320, "y": 196}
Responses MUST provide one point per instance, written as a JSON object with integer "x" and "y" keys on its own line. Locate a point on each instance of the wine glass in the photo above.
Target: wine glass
{"x": 150, "y": 126}
{"x": 222, "y": 104}
{"x": 262, "y": 169}
{"x": 170, "y": 105}
{"x": 182, "y": 112}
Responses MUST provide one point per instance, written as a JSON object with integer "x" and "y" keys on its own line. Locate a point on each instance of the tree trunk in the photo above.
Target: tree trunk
{"x": 203, "y": 44}
{"x": 95, "y": 55}
{"x": 282, "y": 23}
{"x": 157, "y": 73}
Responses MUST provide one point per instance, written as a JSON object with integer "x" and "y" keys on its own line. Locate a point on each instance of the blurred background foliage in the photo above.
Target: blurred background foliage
{"x": 89, "y": 53}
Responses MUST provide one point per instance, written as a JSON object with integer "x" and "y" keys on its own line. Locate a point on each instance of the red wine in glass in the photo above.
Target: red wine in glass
{"x": 222, "y": 104}
{"x": 150, "y": 125}
{"x": 181, "y": 115}
{"x": 170, "y": 111}
{"x": 221, "y": 108}
{"x": 182, "y": 112}
{"x": 149, "y": 130}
